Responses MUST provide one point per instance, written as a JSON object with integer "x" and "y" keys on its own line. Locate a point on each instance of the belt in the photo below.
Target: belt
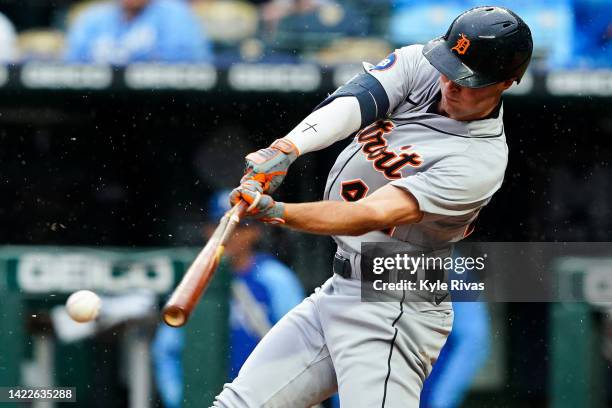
{"x": 342, "y": 267}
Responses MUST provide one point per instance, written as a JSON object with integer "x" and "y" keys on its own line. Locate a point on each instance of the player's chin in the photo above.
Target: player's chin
{"x": 452, "y": 110}
{"x": 445, "y": 104}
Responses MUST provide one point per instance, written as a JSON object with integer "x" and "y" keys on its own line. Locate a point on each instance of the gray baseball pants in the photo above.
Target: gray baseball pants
{"x": 374, "y": 354}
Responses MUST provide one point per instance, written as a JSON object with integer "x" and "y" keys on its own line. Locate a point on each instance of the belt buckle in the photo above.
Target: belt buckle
{"x": 342, "y": 266}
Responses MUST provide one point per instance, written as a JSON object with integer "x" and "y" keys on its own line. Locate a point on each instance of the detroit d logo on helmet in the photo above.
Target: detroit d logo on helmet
{"x": 463, "y": 43}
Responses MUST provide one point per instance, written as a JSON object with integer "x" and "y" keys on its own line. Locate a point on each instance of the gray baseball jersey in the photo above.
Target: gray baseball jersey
{"x": 451, "y": 167}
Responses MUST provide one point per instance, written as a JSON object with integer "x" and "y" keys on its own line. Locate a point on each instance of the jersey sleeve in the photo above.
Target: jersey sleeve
{"x": 397, "y": 73}
{"x": 455, "y": 186}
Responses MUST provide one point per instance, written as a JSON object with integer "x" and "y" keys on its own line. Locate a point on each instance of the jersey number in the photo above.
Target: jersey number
{"x": 355, "y": 190}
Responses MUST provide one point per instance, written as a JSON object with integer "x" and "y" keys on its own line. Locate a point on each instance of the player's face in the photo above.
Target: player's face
{"x": 461, "y": 103}
{"x": 134, "y": 5}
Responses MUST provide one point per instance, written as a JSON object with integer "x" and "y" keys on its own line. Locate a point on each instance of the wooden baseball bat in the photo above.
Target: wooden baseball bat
{"x": 195, "y": 281}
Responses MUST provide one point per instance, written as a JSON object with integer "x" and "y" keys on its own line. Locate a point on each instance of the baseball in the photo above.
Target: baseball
{"x": 83, "y": 306}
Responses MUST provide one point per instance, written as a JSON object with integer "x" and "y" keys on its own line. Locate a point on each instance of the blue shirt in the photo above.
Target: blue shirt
{"x": 551, "y": 23}
{"x": 165, "y": 31}
{"x": 593, "y": 44}
{"x": 276, "y": 290}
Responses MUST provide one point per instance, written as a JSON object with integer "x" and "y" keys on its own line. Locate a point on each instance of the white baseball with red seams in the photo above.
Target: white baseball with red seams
{"x": 83, "y": 306}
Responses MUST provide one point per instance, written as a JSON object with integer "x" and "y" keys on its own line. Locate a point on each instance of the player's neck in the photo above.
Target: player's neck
{"x": 467, "y": 117}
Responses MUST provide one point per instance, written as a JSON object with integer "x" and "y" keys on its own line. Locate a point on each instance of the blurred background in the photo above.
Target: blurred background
{"x": 120, "y": 120}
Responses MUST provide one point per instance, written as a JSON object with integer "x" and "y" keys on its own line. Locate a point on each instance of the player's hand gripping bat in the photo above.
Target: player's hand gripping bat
{"x": 187, "y": 294}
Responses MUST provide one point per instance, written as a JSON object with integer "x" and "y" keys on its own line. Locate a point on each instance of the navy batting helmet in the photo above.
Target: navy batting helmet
{"x": 483, "y": 46}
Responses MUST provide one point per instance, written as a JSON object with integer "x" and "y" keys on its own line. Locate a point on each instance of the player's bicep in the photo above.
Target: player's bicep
{"x": 393, "y": 206}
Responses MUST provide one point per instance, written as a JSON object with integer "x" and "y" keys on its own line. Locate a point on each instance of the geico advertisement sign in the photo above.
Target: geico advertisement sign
{"x": 39, "y": 273}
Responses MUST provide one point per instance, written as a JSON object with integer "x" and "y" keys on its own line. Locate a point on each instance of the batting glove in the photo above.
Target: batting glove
{"x": 269, "y": 166}
{"x": 262, "y": 207}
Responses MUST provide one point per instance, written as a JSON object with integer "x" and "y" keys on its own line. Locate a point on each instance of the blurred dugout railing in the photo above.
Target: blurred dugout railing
{"x": 33, "y": 280}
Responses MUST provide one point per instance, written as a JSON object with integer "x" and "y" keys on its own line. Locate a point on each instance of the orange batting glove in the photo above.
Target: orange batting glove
{"x": 269, "y": 166}
{"x": 262, "y": 207}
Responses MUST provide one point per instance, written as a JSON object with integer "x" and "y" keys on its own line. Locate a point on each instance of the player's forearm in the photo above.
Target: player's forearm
{"x": 334, "y": 218}
{"x": 327, "y": 125}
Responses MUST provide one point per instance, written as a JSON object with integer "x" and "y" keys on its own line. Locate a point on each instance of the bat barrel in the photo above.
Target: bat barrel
{"x": 185, "y": 297}
{"x": 174, "y": 316}
{"x": 195, "y": 281}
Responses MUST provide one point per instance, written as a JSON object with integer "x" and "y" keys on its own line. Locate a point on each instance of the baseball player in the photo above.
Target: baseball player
{"x": 428, "y": 153}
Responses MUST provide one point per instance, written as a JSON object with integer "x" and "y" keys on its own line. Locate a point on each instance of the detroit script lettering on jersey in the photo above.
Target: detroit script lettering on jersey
{"x": 375, "y": 147}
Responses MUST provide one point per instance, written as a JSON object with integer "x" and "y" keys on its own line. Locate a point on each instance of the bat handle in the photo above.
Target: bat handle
{"x": 239, "y": 209}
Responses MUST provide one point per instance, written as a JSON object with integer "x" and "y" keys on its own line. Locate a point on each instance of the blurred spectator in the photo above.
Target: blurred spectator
{"x": 311, "y": 24}
{"x": 232, "y": 26}
{"x": 8, "y": 49}
{"x": 465, "y": 351}
{"x": 551, "y": 23}
{"x": 124, "y": 31}
{"x": 40, "y": 45}
{"x": 593, "y": 45}
{"x": 167, "y": 353}
{"x": 228, "y": 21}
{"x": 263, "y": 289}
{"x": 354, "y": 51}
{"x": 418, "y": 22}
{"x": 553, "y": 29}
{"x": 273, "y": 11}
